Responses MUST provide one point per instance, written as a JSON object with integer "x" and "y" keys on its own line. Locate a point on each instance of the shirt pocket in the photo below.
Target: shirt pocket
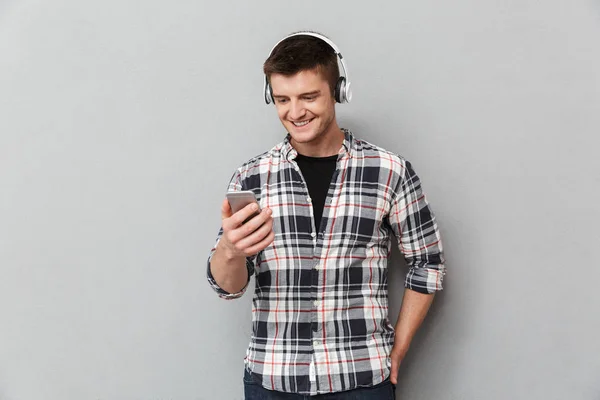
{"x": 359, "y": 221}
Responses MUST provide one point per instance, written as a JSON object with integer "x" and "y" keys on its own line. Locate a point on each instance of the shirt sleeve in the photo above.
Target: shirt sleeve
{"x": 415, "y": 227}
{"x": 234, "y": 185}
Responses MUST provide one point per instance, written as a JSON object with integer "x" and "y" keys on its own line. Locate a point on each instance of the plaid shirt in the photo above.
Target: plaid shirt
{"x": 320, "y": 307}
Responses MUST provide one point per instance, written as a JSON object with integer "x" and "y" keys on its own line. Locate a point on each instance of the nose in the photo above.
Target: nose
{"x": 297, "y": 110}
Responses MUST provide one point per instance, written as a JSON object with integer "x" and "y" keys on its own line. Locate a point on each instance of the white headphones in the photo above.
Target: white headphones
{"x": 343, "y": 93}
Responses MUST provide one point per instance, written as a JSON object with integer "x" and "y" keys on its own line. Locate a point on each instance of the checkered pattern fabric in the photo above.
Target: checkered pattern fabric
{"x": 320, "y": 307}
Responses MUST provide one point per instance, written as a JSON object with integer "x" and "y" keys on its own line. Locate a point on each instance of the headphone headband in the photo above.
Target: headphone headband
{"x": 343, "y": 93}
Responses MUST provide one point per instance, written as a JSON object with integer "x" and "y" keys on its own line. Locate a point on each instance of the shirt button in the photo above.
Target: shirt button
{"x": 312, "y": 234}
{"x": 316, "y": 343}
{"x": 308, "y": 199}
{"x": 316, "y": 303}
{"x": 317, "y": 267}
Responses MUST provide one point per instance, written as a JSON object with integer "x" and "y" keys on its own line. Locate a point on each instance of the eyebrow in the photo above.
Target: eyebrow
{"x": 313, "y": 93}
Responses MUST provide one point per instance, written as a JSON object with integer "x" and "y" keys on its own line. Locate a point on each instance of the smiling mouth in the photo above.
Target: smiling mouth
{"x": 301, "y": 123}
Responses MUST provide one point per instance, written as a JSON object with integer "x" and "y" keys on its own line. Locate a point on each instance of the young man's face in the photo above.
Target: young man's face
{"x": 305, "y": 106}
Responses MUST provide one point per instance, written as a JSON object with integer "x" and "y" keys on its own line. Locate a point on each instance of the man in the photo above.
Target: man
{"x": 331, "y": 204}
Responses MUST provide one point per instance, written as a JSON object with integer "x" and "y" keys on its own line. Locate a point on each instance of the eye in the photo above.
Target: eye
{"x": 281, "y": 101}
{"x": 310, "y": 98}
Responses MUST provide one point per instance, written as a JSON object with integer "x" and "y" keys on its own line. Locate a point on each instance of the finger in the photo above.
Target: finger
{"x": 257, "y": 236}
{"x": 262, "y": 244}
{"x": 253, "y": 224}
{"x": 239, "y": 217}
{"x": 248, "y": 243}
{"x": 225, "y": 209}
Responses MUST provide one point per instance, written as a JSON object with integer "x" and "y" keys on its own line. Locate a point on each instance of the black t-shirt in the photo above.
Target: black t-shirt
{"x": 317, "y": 172}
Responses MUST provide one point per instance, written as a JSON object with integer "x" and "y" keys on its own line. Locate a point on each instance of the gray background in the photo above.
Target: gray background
{"x": 122, "y": 121}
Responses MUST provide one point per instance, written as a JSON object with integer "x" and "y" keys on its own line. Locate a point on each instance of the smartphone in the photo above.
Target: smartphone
{"x": 240, "y": 199}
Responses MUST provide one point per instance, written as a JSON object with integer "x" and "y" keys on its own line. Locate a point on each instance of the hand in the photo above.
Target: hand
{"x": 397, "y": 355}
{"x": 245, "y": 240}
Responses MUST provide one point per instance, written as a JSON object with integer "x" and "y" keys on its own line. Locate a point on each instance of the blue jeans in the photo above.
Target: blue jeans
{"x": 383, "y": 391}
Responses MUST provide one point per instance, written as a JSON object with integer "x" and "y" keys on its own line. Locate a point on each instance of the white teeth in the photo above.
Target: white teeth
{"x": 301, "y": 123}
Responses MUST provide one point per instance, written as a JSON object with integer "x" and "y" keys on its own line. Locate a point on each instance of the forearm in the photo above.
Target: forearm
{"x": 230, "y": 273}
{"x": 414, "y": 308}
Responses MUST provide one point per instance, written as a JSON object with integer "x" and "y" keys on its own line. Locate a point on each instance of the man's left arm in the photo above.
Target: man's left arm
{"x": 415, "y": 227}
{"x": 412, "y": 313}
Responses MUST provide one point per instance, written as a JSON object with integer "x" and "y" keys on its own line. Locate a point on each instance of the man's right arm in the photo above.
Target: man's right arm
{"x": 229, "y": 270}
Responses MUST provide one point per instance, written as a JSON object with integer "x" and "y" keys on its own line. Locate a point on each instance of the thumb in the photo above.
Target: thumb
{"x": 394, "y": 371}
{"x": 225, "y": 209}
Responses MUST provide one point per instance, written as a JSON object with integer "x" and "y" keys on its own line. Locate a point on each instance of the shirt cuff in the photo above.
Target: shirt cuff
{"x": 425, "y": 280}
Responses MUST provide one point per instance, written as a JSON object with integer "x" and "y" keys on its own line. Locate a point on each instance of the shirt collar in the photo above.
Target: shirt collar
{"x": 289, "y": 153}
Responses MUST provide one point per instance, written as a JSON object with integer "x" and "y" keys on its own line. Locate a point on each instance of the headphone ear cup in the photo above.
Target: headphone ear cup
{"x": 340, "y": 90}
{"x": 268, "y": 93}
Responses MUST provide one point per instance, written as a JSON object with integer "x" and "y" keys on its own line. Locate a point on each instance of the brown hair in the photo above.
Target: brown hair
{"x": 302, "y": 53}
